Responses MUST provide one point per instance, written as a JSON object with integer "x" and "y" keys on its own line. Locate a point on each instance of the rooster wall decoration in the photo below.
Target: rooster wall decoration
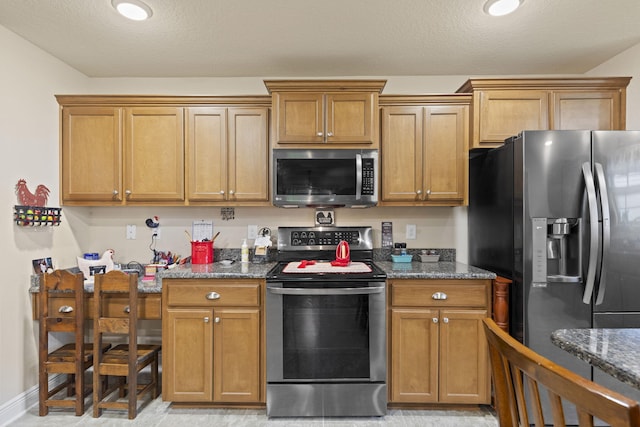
{"x": 27, "y": 198}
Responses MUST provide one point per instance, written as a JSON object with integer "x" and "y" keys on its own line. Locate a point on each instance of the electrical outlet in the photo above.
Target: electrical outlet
{"x": 252, "y": 231}
{"x": 411, "y": 231}
{"x": 131, "y": 232}
{"x": 156, "y": 233}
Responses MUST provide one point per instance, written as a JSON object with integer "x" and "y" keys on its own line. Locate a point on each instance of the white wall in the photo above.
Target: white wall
{"x": 29, "y": 133}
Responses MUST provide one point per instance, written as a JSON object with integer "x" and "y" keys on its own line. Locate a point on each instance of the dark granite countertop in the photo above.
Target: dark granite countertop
{"x": 614, "y": 351}
{"x": 412, "y": 270}
{"x": 433, "y": 270}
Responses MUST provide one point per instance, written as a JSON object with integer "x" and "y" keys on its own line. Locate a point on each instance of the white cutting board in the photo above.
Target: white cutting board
{"x": 326, "y": 267}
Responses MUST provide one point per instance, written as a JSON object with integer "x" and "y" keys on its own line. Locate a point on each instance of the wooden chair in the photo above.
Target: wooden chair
{"x": 515, "y": 366}
{"x": 72, "y": 359}
{"x": 123, "y": 360}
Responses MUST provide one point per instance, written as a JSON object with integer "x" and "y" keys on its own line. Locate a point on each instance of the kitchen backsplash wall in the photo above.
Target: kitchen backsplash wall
{"x": 99, "y": 229}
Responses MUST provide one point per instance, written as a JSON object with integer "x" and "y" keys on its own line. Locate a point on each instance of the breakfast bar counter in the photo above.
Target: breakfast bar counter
{"x": 614, "y": 351}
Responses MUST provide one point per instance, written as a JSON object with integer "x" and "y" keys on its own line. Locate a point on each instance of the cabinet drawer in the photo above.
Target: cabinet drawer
{"x": 56, "y": 303}
{"x": 212, "y": 293}
{"x": 420, "y": 293}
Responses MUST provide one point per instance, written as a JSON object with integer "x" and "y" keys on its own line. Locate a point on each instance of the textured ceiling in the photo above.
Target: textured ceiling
{"x": 304, "y": 38}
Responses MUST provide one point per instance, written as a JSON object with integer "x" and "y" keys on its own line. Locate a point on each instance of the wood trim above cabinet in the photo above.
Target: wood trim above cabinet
{"x": 163, "y": 100}
{"x": 545, "y": 83}
{"x": 325, "y": 85}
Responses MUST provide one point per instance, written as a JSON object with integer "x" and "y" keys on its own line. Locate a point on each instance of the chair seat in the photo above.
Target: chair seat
{"x": 66, "y": 353}
{"x": 120, "y": 353}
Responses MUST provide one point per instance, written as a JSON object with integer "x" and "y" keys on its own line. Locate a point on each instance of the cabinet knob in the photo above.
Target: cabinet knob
{"x": 445, "y": 320}
{"x": 217, "y": 320}
{"x": 232, "y": 192}
{"x": 428, "y": 192}
{"x": 213, "y": 295}
{"x": 419, "y": 192}
{"x": 206, "y": 320}
{"x": 435, "y": 320}
{"x": 319, "y": 134}
{"x": 222, "y": 192}
{"x": 65, "y": 309}
{"x": 115, "y": 192}
{"x": 127, "y": 192}
{"x": 439, "y": 296}
{"x": 330, "y": 134}
{"x": 127, "y": 309}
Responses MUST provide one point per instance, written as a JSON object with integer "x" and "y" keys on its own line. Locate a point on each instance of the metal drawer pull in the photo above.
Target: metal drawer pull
{"x": 206, "y": 320}
{"x": 435, "y": 320}
{"x": 127, "y": 309}
{"x": 213, "y": 295}
{"x": 217, "y": 320}
{"x": 439, "y": 296}
{"x": 65, "y": 309}
{"x": 445, "y": 320}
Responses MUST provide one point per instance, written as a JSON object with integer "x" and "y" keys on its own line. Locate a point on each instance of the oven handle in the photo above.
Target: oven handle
{"x": 326, "y": 291}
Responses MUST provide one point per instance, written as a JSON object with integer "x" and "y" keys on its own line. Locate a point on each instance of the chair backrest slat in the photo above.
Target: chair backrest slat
{"x": 513, "y": 364}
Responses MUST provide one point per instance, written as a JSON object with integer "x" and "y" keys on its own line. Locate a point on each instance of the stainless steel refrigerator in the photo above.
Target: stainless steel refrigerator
{"x": 558, "y": 213}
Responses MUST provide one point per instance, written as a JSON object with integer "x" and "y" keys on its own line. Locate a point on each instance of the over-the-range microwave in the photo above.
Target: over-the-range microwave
{"x": 325, "y": 178}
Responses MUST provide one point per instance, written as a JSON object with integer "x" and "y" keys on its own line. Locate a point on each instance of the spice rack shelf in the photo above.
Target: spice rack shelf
{"x": 35, "y": 216}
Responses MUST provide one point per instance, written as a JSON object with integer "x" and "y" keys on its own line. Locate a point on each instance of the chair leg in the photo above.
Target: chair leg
{"x": 43, "y": 392}
{"x": 98, "y": 391}
{"x": 79, "y": 386}
{"x": 154, "y": 377}
{"x": 132, "y": 398}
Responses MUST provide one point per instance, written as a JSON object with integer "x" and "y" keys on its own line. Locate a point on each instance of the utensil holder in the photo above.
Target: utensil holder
{"x": 202, "y": 252}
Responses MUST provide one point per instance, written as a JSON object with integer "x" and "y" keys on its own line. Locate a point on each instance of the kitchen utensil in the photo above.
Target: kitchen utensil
{"x": 188, "y": 236}
{"x": 214, "y": 237}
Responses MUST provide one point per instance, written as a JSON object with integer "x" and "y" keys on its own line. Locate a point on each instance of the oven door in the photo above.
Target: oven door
{"x": 320, "y": 332}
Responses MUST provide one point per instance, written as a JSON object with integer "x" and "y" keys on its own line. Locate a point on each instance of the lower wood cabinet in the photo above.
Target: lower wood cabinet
{"x": 212, "y": 341}
{"x": 437, "y": 347}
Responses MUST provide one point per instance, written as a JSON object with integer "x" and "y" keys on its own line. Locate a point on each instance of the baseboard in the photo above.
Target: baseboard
{"x": 18, "y": 406}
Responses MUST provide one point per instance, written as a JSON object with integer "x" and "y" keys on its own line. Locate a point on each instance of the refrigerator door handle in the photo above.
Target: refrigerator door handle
{"x": 594, "y": 237}
{"x": 606, "y": 232}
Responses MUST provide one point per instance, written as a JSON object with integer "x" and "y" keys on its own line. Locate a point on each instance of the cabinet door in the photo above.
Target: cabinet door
{"x": 350, "y": 118}
{"x": 464, "y": 363}
{"x": 91, "y": 154}
{"x": 154, "y": 154}
{"x": 237, "y": 370}
{"x": 187, "y": 355}
{"x": 248, "y": 154}
{"x": 299, "y": 117}
{"x": 596, "y": 110}
{"x": 206, "y": 153}
{"x": 414, "y": 355}
{"x": 401, "y": 157}
{"x": 505, "y": 113}
{"x": 445, "y": 159}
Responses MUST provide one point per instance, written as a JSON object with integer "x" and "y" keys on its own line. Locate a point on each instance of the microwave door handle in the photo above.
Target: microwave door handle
{"x": 606, "y": 232}
{"x": 327, "y": 291}
{"x": 593, "y": 238}
{"x": 358, "y": 176}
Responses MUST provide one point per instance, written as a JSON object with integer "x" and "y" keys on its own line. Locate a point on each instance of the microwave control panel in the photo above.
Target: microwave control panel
{"x": 368, "y": 178}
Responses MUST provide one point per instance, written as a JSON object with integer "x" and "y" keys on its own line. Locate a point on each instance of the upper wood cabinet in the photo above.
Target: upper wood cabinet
{"x": 119, "y": 155}
{"x": 118, "y": 150}
{"x": 318, "y": 113}
{"x": 154, "y": 154}
{"x": 424, "y": 150}
{"x": 504, "y": 107}
{"x": 227, "y": 154}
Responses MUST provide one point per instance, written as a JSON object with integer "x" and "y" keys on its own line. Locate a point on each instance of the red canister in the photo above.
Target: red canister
{"x": 202, "y": 252}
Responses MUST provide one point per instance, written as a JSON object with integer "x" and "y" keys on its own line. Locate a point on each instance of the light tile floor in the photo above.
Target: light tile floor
{"x": 162, "y": 414}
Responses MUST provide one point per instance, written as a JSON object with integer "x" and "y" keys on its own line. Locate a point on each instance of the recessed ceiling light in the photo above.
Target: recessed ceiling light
{"x": 132, "y": 9}
{"x": 501, "y": 7}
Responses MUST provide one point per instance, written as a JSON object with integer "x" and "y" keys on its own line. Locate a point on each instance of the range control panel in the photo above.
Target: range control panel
{"x": 297, "y": 238}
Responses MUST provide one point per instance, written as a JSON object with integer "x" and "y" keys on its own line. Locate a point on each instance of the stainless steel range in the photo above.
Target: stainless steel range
{"x": 326, "y": 328}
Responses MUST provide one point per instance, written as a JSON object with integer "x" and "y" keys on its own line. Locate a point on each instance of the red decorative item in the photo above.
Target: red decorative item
{"x": 25, "y": 197}
{"x": 343, "y": 256}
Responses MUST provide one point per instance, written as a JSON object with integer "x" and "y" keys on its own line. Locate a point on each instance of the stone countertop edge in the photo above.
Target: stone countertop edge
{"x": 616, "y": 363}
{"x": 238, "y": 270}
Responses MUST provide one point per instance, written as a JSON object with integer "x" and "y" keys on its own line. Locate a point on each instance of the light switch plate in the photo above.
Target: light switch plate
{"x": 411, "y": 231}
{"x": 252, "y": 231}
{"x": 131, "y": 232}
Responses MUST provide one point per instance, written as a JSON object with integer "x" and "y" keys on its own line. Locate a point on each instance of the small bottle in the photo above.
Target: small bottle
{"x": 244, "y": 251}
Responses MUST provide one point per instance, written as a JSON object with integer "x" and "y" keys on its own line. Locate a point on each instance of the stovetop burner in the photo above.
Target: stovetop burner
{"x": 318, "y": 245}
